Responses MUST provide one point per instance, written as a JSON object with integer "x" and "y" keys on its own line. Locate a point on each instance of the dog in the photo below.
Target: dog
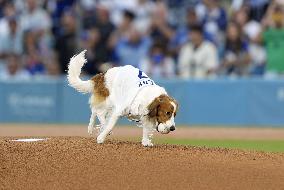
{"x": 124, "y": 92}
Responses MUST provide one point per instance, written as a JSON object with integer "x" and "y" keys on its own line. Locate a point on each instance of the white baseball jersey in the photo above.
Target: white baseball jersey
{"x": 127, "y": 82}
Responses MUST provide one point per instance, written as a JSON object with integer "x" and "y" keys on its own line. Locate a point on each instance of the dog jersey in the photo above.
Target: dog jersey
{"x": 126, "y": 85}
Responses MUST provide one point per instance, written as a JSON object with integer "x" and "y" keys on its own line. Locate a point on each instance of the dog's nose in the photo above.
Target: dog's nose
{"x": 172, "y": 128}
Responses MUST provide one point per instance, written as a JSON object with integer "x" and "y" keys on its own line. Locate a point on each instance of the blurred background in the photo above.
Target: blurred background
{"x": 167, "y": 39}
{"x": 222, "y": 60}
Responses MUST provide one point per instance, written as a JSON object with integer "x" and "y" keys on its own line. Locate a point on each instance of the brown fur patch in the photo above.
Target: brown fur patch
{"x": 101, "y": 92}
{"x": 161, "y": 108}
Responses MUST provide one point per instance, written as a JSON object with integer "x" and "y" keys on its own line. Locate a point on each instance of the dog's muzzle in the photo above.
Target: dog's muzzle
{"x": 172, "y": 128}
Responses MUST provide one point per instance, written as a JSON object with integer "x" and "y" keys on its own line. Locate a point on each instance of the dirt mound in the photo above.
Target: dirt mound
{"x": 80, "y": 163}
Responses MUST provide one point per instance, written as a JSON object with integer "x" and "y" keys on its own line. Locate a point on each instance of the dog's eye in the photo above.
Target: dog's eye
{"x": 168, "y": 113}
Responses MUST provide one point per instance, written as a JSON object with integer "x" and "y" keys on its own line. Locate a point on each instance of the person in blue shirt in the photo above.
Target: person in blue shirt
{"x": 132, "y": 48}
{"x": 182, "y": 34}
{"x": 213, "y": 18}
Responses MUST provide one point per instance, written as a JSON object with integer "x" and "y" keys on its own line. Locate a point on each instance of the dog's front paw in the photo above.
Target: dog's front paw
{"x": 90, "y": 130}
{"x": 147, "y": 142}
{"x": 100, "y": 139}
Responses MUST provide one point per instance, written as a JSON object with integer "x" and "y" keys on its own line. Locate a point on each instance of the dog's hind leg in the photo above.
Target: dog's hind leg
{"x": 108, "y": 128}
{"x": 101, "y": 114}
{"x": 92, "y": 122}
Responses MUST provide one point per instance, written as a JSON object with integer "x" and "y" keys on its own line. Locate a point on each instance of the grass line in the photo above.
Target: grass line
{"x": 259, "y": 145}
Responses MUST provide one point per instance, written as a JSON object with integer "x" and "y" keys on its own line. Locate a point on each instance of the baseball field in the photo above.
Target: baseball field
{"x": 190, "y": 158}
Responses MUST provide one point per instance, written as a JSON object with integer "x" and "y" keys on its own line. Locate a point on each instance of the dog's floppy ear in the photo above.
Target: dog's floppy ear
{"x": 177, "y": 105}
{"x": 153, "y": 107}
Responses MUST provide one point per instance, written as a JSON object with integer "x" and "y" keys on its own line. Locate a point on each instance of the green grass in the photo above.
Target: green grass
{"x": 259, "y": 145}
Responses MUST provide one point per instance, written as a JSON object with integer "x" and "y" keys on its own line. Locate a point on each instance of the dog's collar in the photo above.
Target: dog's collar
{"x": 138, "y": 121}
{"x": 135, "y": 118}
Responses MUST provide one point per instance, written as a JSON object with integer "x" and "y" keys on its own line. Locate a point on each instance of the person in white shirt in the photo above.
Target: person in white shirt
{"x": 35, "y": 18}
{"x": 198, "y": 58}
{"x": 11, "y": 42}
{"x": 13, "y": 70}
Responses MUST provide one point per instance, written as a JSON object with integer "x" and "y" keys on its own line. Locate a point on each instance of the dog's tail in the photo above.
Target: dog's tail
{"x": 74, "y": 70}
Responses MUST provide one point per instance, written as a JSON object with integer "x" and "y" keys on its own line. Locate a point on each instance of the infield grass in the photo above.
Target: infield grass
{"x": 259, "y": 145}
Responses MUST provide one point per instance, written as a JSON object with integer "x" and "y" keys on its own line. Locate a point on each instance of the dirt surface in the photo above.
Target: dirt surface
{"x": 80, "y": 163}
{"x": 70, "y": 159}
{"x": 132, "y": 131}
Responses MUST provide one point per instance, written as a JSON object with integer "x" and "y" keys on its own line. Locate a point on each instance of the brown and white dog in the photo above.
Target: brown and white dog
{"x": 124, "y": 91}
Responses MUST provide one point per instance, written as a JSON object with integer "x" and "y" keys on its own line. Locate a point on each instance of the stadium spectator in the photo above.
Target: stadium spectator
{"x": 34, "y": 18}
{"x": 35, "y": 23}
{"x": 53, "y": 69}
{"x": 11, "y": 41}
{"x": 249, "y": 27}
{"x": 257, "y": 54}
{"x": 182, "y": 34}
{"x": 56, "y": 9}
{"x": 9, "y": 11}
{"x": 103, "y": 49}
{"x": 160, "y": 30}
{"x": 273, "y": 37}
{"x": 178, "y": 11}
{"x": 32, "y": 57}
{"x": 117, "y": 7}
{"x": 236, "y": 58}
{"x": 88, "y": 14}
{"x": 198, "y": 58}
{"x": 127, "y": 22}
{"x": 256, "y": 8}
{"x": 252, "y": 31}
{"x": 274, "y": 16}
{"x": 130, "y": 50}
{"x": 214, "y": 19}
{"x": 158, "y": 64}
{"x": 66, "y": 43}
{"x": 14, "y": 69}
{"x": 10, "y": 34}
{"x": 123, "y": 28}
{"x": 143, "y": 12}
{"x": 90, "y": 43}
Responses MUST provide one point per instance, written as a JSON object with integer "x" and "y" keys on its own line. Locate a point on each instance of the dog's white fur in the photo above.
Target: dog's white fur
{"x": 106, "y": 110}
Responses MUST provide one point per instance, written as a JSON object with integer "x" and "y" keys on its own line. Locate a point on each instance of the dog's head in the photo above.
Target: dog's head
{"x": 163, "y": 110}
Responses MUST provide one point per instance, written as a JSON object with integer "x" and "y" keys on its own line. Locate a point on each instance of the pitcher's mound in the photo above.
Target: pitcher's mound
{"x": 80, "y": 163}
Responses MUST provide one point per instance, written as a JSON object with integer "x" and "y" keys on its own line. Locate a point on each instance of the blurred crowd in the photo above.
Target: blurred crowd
{"x": 164, "y": 38}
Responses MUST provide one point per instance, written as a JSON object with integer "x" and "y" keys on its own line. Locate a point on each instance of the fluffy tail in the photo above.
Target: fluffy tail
{"x": 74, "y": 70}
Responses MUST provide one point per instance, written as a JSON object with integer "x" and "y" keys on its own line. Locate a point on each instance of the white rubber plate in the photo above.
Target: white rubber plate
{"x": 28, "y": 140}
